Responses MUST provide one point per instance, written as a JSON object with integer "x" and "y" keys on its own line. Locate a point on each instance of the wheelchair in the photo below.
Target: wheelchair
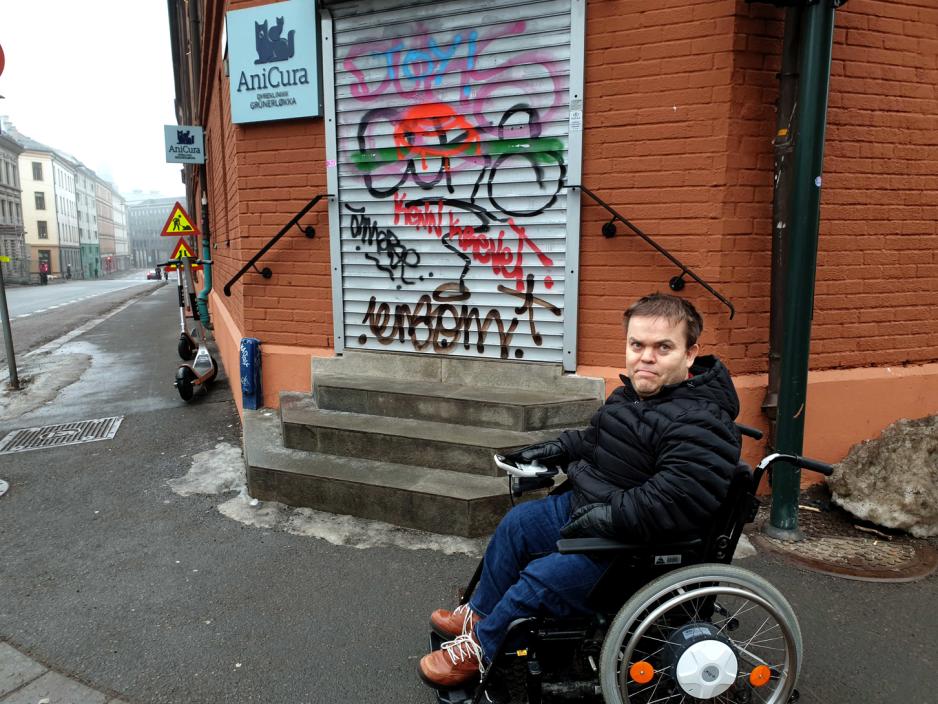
{"x": 673, "y": 623}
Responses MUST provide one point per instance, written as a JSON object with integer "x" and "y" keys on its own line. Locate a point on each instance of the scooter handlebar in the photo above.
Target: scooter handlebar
{"x": 177, "y": 262}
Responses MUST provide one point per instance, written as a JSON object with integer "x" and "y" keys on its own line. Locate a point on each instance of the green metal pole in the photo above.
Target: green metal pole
{"x": 206, "y": 256}
{"x": 817, "y": 41}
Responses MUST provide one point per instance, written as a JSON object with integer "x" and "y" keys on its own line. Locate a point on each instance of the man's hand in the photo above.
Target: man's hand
{"x": 590, "y": 521}
{"x": 549, "y": 454}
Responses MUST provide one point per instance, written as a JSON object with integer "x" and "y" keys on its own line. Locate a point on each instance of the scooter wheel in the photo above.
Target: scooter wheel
{"x": 184, "y": 383}
{"x": 185, "y": 349}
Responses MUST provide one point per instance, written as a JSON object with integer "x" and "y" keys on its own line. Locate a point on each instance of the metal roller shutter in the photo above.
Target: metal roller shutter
{"x": 451, "y": 148}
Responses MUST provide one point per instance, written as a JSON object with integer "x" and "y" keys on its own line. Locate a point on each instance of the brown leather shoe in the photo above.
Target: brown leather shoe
{"x": 457, "y": 622}
{"x": 455, "y": 663}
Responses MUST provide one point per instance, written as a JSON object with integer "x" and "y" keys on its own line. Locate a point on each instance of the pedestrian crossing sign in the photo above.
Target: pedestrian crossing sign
{"x": 178, "y": 223}
{"x": 183, "y": 249}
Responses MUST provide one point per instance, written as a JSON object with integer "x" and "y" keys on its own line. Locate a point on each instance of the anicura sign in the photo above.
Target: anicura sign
{"x": 273, "y": 60}
{"x": 185, "y": 144}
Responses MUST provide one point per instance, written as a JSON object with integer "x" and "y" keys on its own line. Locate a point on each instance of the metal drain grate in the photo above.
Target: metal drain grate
{"x": 59, "y": 435}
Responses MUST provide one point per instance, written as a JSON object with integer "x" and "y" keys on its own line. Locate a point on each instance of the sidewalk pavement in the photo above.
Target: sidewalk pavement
{"x": 26, "y": 681}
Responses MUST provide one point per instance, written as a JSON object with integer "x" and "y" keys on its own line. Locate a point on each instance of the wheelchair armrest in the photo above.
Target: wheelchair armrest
{"x": 572, "y": 546}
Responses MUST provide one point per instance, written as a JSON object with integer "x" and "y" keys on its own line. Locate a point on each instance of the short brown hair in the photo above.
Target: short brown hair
{"x": 673, "y": 308}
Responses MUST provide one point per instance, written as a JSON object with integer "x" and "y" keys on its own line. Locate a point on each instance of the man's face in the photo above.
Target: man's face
{"x": 657, "y": 354}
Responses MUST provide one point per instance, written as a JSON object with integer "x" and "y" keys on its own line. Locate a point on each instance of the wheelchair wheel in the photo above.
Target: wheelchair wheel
{"x": 709, "y": 632}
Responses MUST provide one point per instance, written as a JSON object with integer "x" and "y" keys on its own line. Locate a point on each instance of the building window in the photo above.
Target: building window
{"x": 40, "y": 200}
{"x": 6, "y": 166}
{"x": 37, "y": 171}
{"x": 43, "y": 229}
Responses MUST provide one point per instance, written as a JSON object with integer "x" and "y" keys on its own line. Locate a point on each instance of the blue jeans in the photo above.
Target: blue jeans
{"x": 513, "y": 585}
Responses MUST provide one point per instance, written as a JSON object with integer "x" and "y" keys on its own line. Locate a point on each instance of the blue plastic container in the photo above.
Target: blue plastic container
{"x": 251, "y": 396}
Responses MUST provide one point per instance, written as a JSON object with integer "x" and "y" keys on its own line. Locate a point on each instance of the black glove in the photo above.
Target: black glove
{"x": 590, "y": 521}
{"x": 549, "y": 454}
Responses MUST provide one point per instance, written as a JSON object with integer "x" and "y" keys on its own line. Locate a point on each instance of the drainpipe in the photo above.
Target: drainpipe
{"x": 803, "y": 220}
{"x": 195, "y": 41}
{"x": 785, "y": 129}
{"x": 206, "y": 255}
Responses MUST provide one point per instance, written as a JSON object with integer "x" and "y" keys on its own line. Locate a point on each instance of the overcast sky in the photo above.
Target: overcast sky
{"x": 94, "y": 79}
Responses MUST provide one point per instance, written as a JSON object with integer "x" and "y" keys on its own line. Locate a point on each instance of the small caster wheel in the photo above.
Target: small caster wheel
{"x": 184, "y": 383}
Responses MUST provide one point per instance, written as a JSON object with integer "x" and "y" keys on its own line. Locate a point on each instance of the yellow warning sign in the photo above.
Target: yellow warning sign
{"x": 181, "y": 250}
{"x": 178, "y": 223}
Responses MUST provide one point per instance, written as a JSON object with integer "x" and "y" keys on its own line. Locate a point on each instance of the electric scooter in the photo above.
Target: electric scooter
{"x": 193, "y": 376}
{"x": 187, "y": 345}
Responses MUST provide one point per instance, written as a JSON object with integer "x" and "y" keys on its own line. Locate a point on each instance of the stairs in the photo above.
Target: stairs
{"x": 409, "y": 439}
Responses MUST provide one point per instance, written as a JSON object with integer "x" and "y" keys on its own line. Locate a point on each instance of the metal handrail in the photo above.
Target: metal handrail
{"x": 677, "y": 282}
{"x": 309, "y": 231}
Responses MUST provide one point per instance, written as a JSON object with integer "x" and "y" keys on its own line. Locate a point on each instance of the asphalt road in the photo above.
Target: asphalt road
{"x": 39, "y": 314}
{"x": 108, "y": 575}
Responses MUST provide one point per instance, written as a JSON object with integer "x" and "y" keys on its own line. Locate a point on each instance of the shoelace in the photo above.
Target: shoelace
{"x": 464, "y": 648}
{"x": 467, "y": 617}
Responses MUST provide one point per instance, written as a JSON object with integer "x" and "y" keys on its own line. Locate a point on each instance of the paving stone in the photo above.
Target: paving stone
{"x": 16, "y": 669}
{"x": 57, "y": 690}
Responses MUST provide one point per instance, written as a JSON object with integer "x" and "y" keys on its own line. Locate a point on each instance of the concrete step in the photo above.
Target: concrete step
{"x": 421, "y": 443}
{"x": 470, "y": 371}
{"x": 418, "y": 497}
{"x": 505, "y": 408}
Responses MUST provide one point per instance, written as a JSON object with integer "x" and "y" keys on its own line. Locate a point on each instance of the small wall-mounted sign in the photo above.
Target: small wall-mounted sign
{"x": 273, "y": 61}
{"x": 184, "y": 144}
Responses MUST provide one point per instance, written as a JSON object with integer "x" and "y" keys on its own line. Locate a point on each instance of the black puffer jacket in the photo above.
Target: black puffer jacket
{"x": 664, "y": 463}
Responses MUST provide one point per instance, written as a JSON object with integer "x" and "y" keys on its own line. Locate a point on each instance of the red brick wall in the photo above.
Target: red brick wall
{"x": 268, "y": 173}
{"x": 877, "y": 287}
{"x": 680, "y": 120}
{"x": 678, "y": 137}
{"x": 659, "y": 90}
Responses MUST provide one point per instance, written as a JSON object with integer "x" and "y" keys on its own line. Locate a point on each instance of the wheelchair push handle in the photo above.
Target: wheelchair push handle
{"x": 797, "y": 460}
{"x": 749, "y": 431}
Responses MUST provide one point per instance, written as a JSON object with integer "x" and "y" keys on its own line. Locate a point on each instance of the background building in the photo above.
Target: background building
{"x": 39, "y": 211}
{"x": 66, "y": 210}
{"x": 12, "y": 239}
{"x": 105, "y": 216}
{"x": 121, "y": 241}
{"x": 145, "y": 222}
{"x": 85, "y": 184}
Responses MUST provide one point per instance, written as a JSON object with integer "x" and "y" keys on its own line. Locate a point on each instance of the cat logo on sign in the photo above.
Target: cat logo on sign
{"x": 178, "y": 223}
{"x": 181, "y": 250}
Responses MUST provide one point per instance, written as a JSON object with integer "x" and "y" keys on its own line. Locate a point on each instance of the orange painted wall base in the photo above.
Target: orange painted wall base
{"x": 283, "y": 367}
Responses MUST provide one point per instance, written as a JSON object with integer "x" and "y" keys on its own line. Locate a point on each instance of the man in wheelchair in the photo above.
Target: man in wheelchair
{"x": 655, "y": 464}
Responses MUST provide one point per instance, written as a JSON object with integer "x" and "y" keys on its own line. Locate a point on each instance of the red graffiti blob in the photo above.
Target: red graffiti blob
{"x": 435, "y": 130}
